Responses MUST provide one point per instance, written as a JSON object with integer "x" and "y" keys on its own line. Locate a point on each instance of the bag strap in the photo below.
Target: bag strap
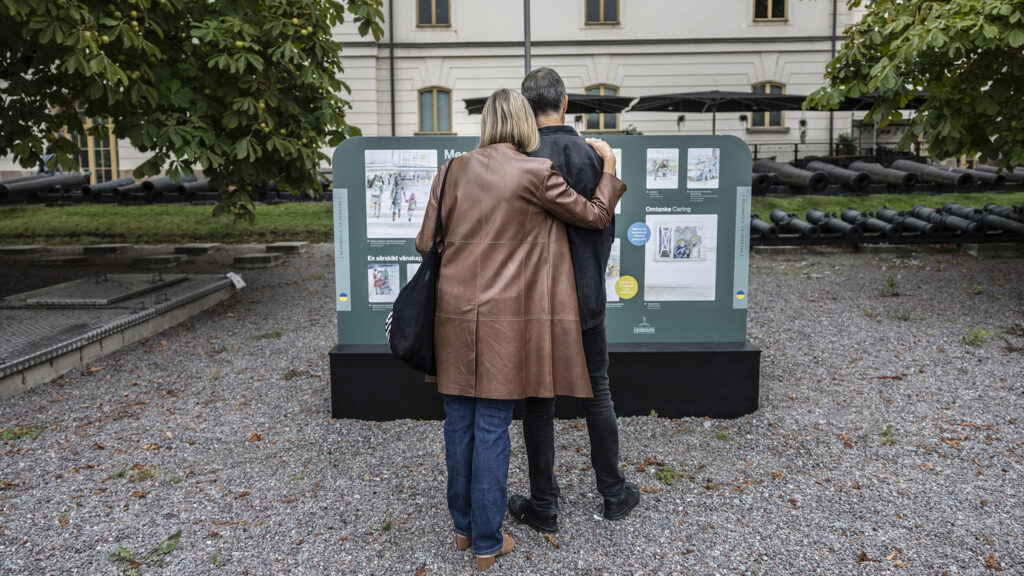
{"x": 440, "y": 199}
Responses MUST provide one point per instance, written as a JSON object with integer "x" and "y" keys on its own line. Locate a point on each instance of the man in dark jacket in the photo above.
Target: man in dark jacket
{"x": 581, "y": 167}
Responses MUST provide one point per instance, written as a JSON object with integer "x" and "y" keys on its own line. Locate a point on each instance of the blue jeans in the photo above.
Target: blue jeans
{"x": 476, "y": 451}
{"x": 603, "y": 428}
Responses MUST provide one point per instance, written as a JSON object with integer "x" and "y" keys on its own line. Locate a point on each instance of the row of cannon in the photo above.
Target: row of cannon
{"x": 951, "y": 219}
{"x": 74, "y": 188}
{"x": 905, "y": 174}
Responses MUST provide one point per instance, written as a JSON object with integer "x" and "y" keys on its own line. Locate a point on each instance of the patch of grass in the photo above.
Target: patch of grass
{"x": 870, "y": 313}
{"x": 275, "y": 335}
{"x": 313, "y": 277}
{"x": 20, "y": 433}
{"x": 1015, "y": 329}
{"x": 136, "y": 473}
{"x": 900, "y": 315}
{"x": 293, "y": 373}
{"x": 654, "y": 413}
{"x": 977, "y": 289}
{"x": 217, "y": 559}
{"x": 888, "y": 435}
{"x": 163, "y": 224}
{"x": 128, "y": 563}
{"x": 4, "y": 484}
{"x": 975, "y": 337}
{"x": 177, "y": 479}
{"x": 386, "y": 524}
{"x": 723, "y": 434}
{"x": 667, "y": 475}
{"x": 891, "y": 288}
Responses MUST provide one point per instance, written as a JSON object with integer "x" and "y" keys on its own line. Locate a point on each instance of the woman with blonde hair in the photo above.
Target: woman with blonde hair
{"x": 505, "y": 296}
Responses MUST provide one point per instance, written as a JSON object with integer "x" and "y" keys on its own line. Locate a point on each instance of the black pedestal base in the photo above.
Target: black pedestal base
{"x": 720, "y": 380}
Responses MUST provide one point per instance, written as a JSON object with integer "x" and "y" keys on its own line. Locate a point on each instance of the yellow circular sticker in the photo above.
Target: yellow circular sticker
{"x": 626, "y": 287}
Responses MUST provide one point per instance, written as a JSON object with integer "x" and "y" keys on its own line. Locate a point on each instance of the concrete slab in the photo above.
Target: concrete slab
{"x": 158, "y": 261}
{"x": 778, "y": 252}
{"x": 72, "y": 260}
{"x": 288, "y": 247}
{"x": 886, "y": 249}
{"x": 21, "y": 250}
{"x": 101, "y": 290}
{"x": 196, "y": 249}
{"x": 259, "y": 260}
{"x": 102, "y": 249}
{"x": 994, "y": 251}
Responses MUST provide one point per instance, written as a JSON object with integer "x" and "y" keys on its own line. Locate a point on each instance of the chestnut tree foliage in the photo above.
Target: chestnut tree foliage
{"x": 247, "y": 90}
{"x": 967, "y": 55}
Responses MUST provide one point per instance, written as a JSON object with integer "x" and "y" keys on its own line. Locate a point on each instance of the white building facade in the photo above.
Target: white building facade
{"x": 437, "y": 53}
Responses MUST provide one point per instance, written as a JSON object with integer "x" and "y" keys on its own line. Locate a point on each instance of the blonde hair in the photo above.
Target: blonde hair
{"x": 508, "y": 118}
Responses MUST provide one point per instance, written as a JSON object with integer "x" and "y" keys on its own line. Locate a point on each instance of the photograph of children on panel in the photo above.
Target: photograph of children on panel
{"x": 397, "y": 185}
{"x": 382, "y": 280}
{"x": 612, "y": 272}
{"x": 680, "y": 260}
{"x": 702, "y": 167}
{"x": 662, "y": 168}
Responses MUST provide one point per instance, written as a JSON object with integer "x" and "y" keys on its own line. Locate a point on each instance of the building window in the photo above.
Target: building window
{"x": 602, "y": 122}
{"x": 602, "y": 12}
{"x": 767, "y": 119}
{"x": 435, "y": 111}
{"x": 98, "y": 155}
{"x": 433, "y": 13}
{"x": 770, "y": 9}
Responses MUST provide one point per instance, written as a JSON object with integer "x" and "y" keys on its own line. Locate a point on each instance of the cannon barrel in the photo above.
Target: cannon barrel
{"x": 830, "y": 223}
{"x": 194, "y": 186}
{"x": 1010, "y": 175}
{"x": 946, "y": 220}
{"x": 986, "y": 220}
{"x": 92, "y": 191}
{"x": 28, "y": 178}
{"x": 1003, "y": 211}
{"x": 908, "y": 223}
{"x": 933, "y": 174}
{"x": 159, "y": 186}
{"x": 39, "y": 187}
{"x": 765, "y": 229}
{"x": 123, "y": 192}
{"x": 871, "y": 224}
{"x": 839, "y": 175}
{"x": 984, "y": 177}
{"x": 816, "y": 181}
{"x": 762, "y": 181}
{"x": 792, "y": 223}
{"x": 886, "y": 175}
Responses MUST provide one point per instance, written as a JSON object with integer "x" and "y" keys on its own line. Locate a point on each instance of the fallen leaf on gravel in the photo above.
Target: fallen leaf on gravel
{"x": 890, "y": 556}
{"x": 688, "y": 551}
{"x": 863, "y": 557}
{"x": 94, "y": 369}
{"x": 891, "y": 377}
{"x": 899, "y": 564}
{"x": 990, "y": 563}
{"x": 214, "y": 534}
{"x": 99, "y": 446}
{"x": 928, "y": 465}
{"x": 140, "y": 494}
{"x": 552, "y": 540}
{"x": 776, "y": 474}
{"x": 64, "y": 522}
{"x": 227, "y": 522}
{"x": 255, "y": 437}
{"x": 152, "y": 446}
{"x": 422, "y": 570}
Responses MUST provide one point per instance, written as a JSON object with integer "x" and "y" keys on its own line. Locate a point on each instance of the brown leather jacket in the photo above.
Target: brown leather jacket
{"x": 506, "y": 294}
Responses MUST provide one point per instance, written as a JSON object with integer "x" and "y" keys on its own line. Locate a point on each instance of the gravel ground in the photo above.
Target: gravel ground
{"x": 884, "y": 444}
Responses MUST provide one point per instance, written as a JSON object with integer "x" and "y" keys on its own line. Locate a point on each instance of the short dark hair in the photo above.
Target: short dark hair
{"x": 544, "y": 90}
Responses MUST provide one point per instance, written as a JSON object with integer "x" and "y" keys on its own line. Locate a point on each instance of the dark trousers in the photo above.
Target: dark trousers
{"x": 539, "y": 424}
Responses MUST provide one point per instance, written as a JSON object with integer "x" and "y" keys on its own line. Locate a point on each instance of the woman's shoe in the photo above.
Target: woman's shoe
{"x": 485, "y": 562}
{"x": 462, "y": 542}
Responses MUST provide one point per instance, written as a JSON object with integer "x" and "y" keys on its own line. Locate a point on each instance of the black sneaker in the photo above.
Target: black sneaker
{"x": 522, "y": 509}
{"x": 620, "y": 509}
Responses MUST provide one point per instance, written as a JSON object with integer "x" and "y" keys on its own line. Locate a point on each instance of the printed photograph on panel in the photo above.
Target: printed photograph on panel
{"x": 680, "y": 260}
{"x": 613, "y": 271}
{"x": 662, "y": 168}
{"x": 410, "y": 271}
{"x": 383, "y": 280}
{"x": 397, "y": 190}
{"x": 702, "y": 167}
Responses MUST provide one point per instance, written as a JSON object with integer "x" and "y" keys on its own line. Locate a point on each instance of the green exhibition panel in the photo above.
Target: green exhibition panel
{"x": 676, "y": 282}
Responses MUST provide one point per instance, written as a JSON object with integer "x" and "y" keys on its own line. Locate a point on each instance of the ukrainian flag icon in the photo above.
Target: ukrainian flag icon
{"x": 343, "y": 296}
{"x": 740, "y": 295}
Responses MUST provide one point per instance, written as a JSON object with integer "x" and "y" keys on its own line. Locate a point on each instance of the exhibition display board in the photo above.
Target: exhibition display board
{"x": 676, "y": 281}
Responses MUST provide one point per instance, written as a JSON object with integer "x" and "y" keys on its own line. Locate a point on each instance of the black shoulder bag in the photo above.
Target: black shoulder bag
{"x": 410, "y": 324}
